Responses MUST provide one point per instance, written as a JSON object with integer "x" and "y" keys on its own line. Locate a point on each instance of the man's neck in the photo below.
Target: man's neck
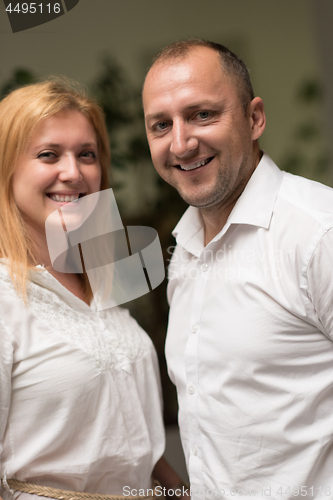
{"x": 214, "y": 218}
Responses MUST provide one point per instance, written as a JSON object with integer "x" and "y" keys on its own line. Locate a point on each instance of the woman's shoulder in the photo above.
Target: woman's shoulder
{"x": 7, "y": 288}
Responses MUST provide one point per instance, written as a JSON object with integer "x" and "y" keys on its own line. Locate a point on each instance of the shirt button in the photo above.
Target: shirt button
{"x": 191, "y": 389}
{"x": 195, "y": 450}
{"x": 204, "y": 267}
{"x": 195, "y": 328}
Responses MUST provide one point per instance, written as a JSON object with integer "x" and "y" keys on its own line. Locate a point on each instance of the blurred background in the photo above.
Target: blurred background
{"x": 107, "y": 46}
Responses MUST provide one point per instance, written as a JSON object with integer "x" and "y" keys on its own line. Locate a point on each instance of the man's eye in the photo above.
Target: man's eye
{"x": 204, "y": 115}
{"x": 161, "y": 126}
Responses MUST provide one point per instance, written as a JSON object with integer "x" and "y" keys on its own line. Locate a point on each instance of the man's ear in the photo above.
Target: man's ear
{"x": 256, "y": 113}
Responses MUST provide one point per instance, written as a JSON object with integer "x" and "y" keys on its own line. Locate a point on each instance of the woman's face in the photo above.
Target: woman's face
{"x": 59, "y": 165}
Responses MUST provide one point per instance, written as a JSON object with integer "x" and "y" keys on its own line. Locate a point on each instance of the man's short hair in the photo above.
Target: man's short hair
{"x": 230, "y": 62}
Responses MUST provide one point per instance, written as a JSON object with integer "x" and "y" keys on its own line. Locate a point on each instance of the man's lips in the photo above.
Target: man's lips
{"x": 195, "y": 165}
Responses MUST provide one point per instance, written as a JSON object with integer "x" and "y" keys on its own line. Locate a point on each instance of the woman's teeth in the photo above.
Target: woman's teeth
{"x": 67, "y": 198}
{"x": 195, "y": 165}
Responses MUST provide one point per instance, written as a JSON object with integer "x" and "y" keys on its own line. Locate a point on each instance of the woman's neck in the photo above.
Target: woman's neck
{"x": 71, "y": 281}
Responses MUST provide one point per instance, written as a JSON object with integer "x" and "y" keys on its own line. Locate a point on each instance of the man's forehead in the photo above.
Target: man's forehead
{"x": 200, "y": 68}
{"x": 193, "y": 56}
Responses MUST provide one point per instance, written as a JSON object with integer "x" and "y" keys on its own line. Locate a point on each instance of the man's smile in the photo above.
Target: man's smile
{"x": 198, "y": 164}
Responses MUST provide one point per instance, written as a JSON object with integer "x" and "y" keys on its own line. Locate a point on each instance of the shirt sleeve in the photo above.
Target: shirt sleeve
{"x": 6, "y": 361}
{"x": 320, "y": 282}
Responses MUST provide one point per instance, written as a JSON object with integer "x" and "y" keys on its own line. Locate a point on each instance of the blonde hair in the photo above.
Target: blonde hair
{"x": 20, "y": 113}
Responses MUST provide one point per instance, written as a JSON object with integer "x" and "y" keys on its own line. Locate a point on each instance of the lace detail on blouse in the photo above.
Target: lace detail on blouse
{"x": 111, "y": 337}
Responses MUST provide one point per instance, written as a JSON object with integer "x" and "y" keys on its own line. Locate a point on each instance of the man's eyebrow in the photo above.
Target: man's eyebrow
{"x": 202, "y": 104}
{"x": 155, "y": 116}
{"x": 195, "y": 105}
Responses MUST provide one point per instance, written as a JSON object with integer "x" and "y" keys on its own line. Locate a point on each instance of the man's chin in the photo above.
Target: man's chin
{"x": 202, "y": 203}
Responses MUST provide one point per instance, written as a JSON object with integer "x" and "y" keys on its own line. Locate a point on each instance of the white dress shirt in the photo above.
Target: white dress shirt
{"x": 80, "y": 397}
{"x": 249, "y": 342}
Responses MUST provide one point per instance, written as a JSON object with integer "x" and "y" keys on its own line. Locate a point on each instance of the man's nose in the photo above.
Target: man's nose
{"x": 70, "y": 169}
{"x": 184, "y": 141}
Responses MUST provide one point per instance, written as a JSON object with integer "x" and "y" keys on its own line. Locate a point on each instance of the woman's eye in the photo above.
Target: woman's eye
{"x": 88, "y": 157}
{"x": 47, "y": 155}
{"x": 88, "y": 154}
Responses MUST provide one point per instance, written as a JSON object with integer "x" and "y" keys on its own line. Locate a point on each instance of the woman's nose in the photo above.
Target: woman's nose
{"x": 70, "y": 169}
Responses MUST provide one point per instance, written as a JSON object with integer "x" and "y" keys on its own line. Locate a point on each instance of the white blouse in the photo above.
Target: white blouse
{"x": 80, "y": 396}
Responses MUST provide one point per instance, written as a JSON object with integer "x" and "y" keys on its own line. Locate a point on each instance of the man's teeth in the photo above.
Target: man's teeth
{"x": 67, "y": 198}
{"x": 195, "y": 165}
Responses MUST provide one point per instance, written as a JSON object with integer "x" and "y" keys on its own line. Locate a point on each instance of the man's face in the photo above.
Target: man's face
{"x": 200, "y": 140}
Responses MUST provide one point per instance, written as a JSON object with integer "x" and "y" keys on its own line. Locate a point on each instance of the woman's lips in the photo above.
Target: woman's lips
{"x": 64, "y": 198}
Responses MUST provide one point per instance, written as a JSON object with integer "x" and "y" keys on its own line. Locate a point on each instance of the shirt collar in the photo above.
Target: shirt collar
{"x": 45, "y": 280}
{"x": 254, "y": 207}
{"x": 41, "y": 277}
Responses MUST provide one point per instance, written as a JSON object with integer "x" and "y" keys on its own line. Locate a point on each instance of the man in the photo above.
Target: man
{"x": 249, "y": 344}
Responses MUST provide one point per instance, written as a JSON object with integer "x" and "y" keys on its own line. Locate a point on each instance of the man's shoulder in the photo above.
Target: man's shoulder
{"x": 306, "y": 199}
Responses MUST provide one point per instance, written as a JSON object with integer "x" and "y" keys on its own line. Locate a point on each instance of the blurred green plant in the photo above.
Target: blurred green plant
{"x": 20, "y": 77}
{"x": 308, "y": 154}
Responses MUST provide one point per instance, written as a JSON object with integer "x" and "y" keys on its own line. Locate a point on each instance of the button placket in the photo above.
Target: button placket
{"x": 192, "y": 355}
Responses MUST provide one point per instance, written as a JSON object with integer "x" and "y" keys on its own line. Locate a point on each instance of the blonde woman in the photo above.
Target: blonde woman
{"x": 80, "y": 401}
